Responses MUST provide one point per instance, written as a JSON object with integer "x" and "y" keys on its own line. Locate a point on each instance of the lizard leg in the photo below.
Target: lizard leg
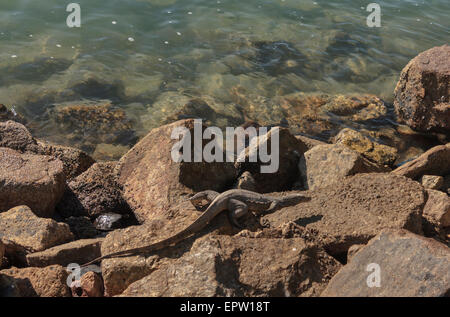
{"x": 237, "y": 209}
{"x": 198, "y": 199}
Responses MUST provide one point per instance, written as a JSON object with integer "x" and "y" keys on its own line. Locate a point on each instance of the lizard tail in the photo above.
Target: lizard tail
{"x": 294, "y": 199}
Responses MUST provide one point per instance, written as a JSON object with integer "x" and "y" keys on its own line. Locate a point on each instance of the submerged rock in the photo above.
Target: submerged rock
{"x": 416, "y": 267}
{"x": 422, "y": 95}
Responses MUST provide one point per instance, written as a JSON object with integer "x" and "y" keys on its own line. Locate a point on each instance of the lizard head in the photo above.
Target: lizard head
{"x": 198, "y": 199}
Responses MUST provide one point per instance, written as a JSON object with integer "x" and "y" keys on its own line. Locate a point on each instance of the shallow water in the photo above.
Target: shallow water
{"x": 147, "y": 58}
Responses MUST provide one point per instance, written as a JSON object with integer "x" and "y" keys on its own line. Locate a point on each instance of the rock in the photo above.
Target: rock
{"x": 2, "y": 253}
{"x": 436, "y": 211}
{"x": 283, "y": 170}
{"x": 9, "y": 286}
{"x": 446, "y": 186}
{"x": 153, "y": 182}
{"x": 239, "y": 266}
{"x": 91, "y": 284}
{"x": 355, "y": 210}
{"x": 432, "y": 182}
{"x": 15, "y": 136}
{"x": 353, "y": 250}
{"x": 309, "y": 142}
{"x": 324, "y": 165}
{"x": 435, "y": 161}
{"x": 246, "y": 181}
{"x": 33, "y": 180}
{"x": 93, "y": 193}
{"x": 378, "y": 153}
{"x": 416, "y": 267}
{"x": 82, "y": 227}
{"x": 357, "y": 107}
{"x": 75, "y": 161}
{"x": 49, "y": 281}
{"x": 422, "y": 95}
{"x": 23, "y": 232}
{"x": 6, "y": 114}
{"x": 80, "y": 251}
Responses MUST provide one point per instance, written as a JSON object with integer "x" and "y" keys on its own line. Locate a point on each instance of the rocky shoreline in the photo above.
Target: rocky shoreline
{"x": 58, "y": 206}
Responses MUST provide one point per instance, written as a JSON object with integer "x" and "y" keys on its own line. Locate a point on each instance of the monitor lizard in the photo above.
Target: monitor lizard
{"x": 237, "y": 201}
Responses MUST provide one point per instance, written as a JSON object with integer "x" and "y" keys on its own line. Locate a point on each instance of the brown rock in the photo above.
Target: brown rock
{"x": 416, "y": 266}
{"x": 355, "y": 210}
{"x": 435, "y": 161}
{"x": 239, "y": 266}
{"x": 94, "y": 192}
{"x": 80, "y": 251}
{"x": 285, "y": 173}
{"x": 32, "y": 180}
{"x": 39, "y": 282}
{"x": 378, "y": 153}
{"x": 92, "y": 285}
{"x": 437, "y": 210}
{"x": 309, "y": 142}
{"x": 247, "y": 181}
{"x": 2, "y": 252}
{"x": 432, "y": 181}
{"x": 153, "y": 182}
{"x": 75, "y": 161}
{"x": 422, "y": 95}
{"x": 23, "y": 232}
{"x": 15, "y": 136}
{"x": 324, "y": 165}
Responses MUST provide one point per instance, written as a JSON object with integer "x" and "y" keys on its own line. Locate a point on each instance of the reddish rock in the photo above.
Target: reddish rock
{"x": 153, "y": 182}
{"x": 240, "y": 266}
{"x": 435, "y": 161}
{"x": 409, "y": 266}
{"x": 79, "y": 251}
{"x": 437, "y": 211}
{"x": 33, "y": 180}
{"x": 91, "y": 285}
{"x": 324, "y": 165}
{"x": 23, "y": 232}
{"x": 39, "y": 282}
{"x": 422, "y": 95}
{"x": 15, "y": 136}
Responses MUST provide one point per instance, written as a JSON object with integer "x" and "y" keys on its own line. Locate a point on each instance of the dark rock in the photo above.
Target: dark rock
{"x": 15, "y": 136}
{"x": 94, "y": 192}
{"x": 422, "y": 95}
{"x": 415, "y": 267}
{"x": 82, "y": 227}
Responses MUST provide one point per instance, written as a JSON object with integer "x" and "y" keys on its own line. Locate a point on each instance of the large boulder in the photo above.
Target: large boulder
{"x": 93, "y": 193}
{"x": 435, "y": 161}
{"x": 324, "y": 165}
{"x": 33, "y": 180}
{"x": 80, "y": 251}
{"x": 153, "y": 182}
{"x": 285, "y": 165}
{"x": 50, "y": 281}
{"x": 422, "y": 95}
{"x": 23, "y": 232}
{"x": 241, "y": 266}
{"x": 408, "y": 265}
{"x": 355, "y": 210}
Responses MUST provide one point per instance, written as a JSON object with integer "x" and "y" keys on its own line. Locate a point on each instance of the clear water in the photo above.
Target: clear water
{"x": 133, "y": 54}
